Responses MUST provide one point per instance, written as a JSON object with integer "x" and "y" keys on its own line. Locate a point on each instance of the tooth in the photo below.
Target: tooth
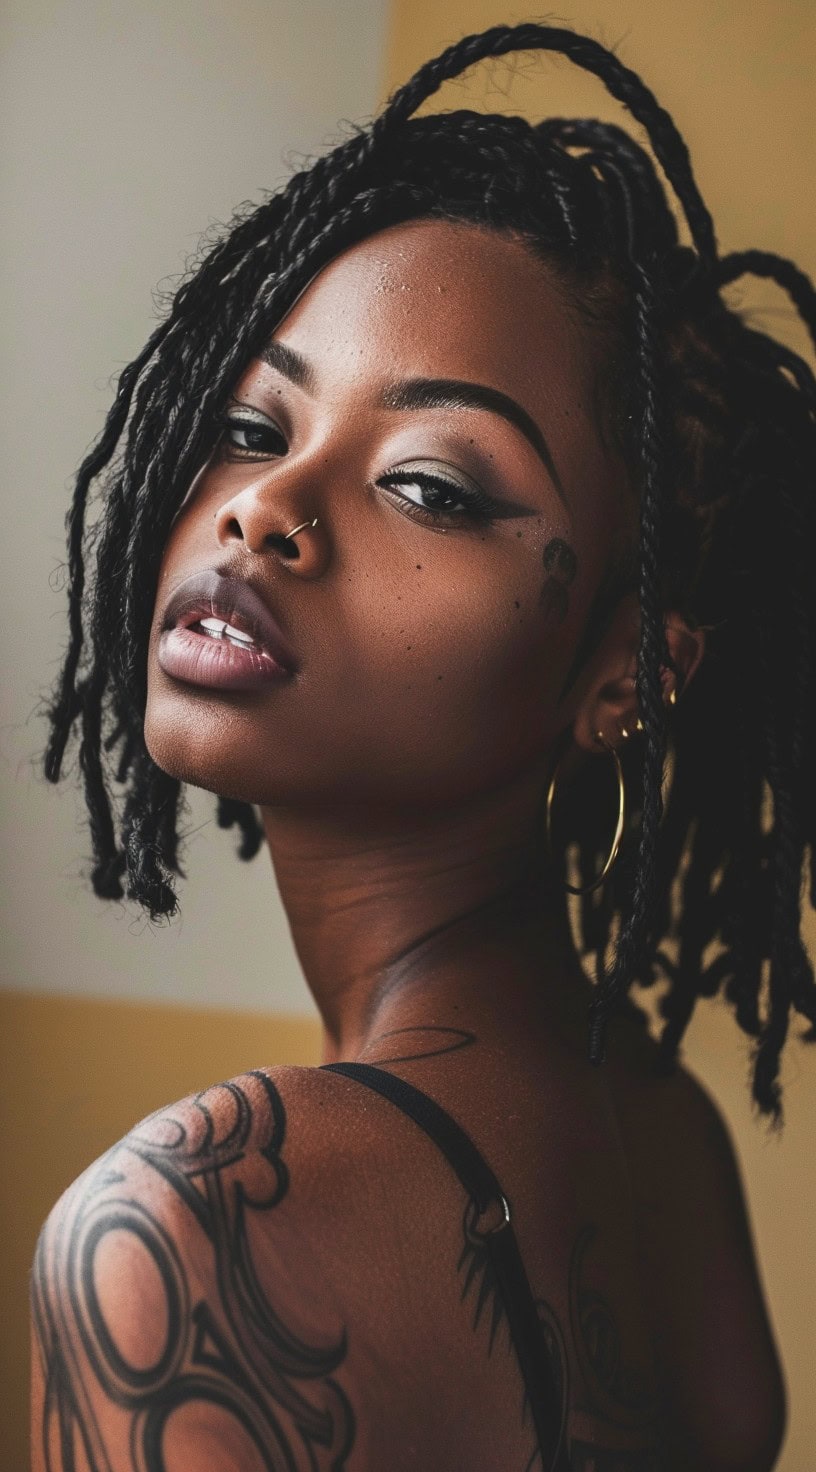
{"x": 238, "y": 634}
{"x": 213, "y": 625}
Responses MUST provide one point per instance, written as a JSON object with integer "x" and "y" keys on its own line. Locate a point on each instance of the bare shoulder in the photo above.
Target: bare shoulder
{"x": 178, "y": 1304}
{"x": 705, "y": 1290}
{"x": 675, "y": 1132}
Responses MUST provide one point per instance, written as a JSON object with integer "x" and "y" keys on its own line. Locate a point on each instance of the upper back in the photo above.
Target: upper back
{"x": 282, "y": 1269}
{"x": 630, "y": 1217}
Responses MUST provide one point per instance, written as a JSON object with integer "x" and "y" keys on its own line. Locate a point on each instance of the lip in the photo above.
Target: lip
{"x": 199, "y": 659}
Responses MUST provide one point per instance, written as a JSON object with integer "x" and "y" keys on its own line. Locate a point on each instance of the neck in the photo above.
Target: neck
{"x": 439, "y": 919}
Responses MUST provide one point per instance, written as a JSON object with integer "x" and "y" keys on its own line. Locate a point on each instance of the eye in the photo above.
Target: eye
{"x": 248, "y": 434}
{"x": 444, "y": 496}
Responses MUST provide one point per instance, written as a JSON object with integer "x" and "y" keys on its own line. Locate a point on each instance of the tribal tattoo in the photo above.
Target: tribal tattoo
{"x": 159, "y": 1335}
{"x": 616, "y": 1395}
{"x": 205, "y": 1357}
{"x": 428, "y": 1042}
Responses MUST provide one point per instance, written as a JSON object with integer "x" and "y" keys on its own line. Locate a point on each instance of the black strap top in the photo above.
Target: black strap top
{"x": 542, "y": 1388}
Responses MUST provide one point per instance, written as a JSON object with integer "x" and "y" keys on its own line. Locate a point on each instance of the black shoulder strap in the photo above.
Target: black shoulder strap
{"x": 481, "y": 1184}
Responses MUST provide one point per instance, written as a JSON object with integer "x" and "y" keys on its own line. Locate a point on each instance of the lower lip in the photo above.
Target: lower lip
{"x": 216, "y": 664}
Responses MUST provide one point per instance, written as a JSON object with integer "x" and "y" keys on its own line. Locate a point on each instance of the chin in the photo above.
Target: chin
{"x": 206, "y": 750}
{"x": 182, "y": 749}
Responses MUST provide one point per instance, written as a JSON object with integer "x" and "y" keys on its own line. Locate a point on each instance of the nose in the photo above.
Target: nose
{"x": 272, "y": 523}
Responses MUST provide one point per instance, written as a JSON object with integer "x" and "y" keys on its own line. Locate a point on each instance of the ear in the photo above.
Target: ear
{"x": 608, "y": 701}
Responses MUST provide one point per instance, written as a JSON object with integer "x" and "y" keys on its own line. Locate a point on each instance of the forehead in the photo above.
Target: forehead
{"x": 448, "y": 300}
{"x": 445, "y": 299}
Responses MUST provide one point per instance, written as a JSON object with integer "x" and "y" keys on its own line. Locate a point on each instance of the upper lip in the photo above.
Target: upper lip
{"x": 211, "y": 594}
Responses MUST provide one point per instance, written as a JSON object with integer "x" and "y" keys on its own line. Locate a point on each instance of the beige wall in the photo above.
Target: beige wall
{"x": 129, "y": 127}
{"x": 738, "y": 81}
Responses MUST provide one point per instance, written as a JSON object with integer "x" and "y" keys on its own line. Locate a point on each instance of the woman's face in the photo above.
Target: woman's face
{"x": 435, "y": 608}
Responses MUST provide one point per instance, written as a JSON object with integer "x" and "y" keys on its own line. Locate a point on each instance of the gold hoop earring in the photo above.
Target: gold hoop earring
{"x": 587, "y": 888}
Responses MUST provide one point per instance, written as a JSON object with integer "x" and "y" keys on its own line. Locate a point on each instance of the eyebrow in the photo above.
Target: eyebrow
{"x": 457, "y": 393}
{"x": 429, "y": 393}
{"x": 290, "y": 364}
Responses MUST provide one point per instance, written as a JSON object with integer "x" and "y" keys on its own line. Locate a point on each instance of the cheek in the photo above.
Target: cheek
{"x": 194, "y": 488}
{"x": 191, "y": 534}
{"x": 460, "y": 677}
{"x": 190, "y": 545}
{"x": 420, "y": 685}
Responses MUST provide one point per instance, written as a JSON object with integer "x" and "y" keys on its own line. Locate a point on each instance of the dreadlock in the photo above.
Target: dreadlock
{"x": 717, "y": 423}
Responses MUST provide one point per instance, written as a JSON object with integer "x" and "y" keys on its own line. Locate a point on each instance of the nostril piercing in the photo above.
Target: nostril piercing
{"x": 297, "y": 529}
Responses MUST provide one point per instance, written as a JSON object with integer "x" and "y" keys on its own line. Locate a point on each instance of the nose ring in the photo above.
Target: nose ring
{"x": 300, "y": 528}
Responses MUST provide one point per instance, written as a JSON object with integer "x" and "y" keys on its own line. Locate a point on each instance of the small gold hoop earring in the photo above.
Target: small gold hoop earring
{"x": 587, "y": 888}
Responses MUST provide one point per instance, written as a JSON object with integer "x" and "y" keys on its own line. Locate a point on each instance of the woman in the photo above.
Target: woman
{"x": 448, "y": 501}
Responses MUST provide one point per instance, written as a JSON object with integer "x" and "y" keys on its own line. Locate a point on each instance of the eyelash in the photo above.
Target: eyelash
{"x": 479, "y": 507}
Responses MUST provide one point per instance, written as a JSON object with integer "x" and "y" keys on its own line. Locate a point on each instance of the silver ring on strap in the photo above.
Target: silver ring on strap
{"x": 472, "y": 1214}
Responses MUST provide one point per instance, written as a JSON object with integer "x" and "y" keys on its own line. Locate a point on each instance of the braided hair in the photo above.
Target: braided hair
{"x": 717, "y": 423}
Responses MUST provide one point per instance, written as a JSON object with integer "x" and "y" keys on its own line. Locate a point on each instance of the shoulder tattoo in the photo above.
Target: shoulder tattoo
{"x": 156, "y": 1324}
